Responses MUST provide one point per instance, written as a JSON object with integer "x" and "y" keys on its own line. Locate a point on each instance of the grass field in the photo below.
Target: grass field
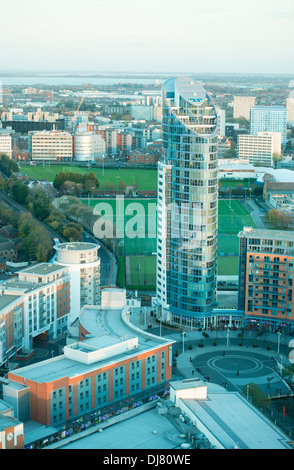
{"x": 138, "y": 219}
{"x": 228, "y": 244}
{"x": 232, "y": 217}
{"x": 140, "y": 271}
{"x": 227, "y": 265}
{"x": 145, "y": 179}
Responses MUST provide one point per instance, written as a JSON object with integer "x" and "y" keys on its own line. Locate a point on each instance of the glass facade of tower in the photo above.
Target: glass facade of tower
{"x": 187, "y": 201}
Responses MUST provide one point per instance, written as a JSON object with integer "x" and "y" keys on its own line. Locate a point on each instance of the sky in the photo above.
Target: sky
{"x": 147, "y": 36}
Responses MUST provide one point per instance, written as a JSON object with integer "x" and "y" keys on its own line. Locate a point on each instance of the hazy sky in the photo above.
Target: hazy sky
{"x": 228, "y": 36}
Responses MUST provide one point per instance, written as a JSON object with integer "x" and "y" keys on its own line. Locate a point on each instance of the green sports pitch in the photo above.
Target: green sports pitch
{"x": 145, "y": 179}
{"x": 233, "y": 216}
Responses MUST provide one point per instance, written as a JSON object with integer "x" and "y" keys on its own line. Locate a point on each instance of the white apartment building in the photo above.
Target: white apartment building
{"x": 290, "y": 110}
{"x": 269, "y": 119}
{"x": 259, "y": 149}
{"x": 242, "y": 105}
{"x": 88, "y": 146}
{"x": 50, "y": 145}
{"x": 83, "y": 264}
{"x": 35, "y": 302}
{"x": 221, "y": 113}
{"x": 6, "y": 144}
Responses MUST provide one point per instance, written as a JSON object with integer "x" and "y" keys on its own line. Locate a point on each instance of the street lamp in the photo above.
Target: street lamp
{"x": 117, "y": 178}
{"x": 183, "y": 336}
{"x": 279, "y": 336}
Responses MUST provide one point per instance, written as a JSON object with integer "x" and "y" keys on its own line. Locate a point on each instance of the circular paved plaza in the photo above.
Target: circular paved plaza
{"x": 237, "y": 368}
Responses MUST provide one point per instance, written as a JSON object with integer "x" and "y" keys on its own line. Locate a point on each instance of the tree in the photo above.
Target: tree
{"x": 72, "y": 232}
{"x": 277, "y": 219}
{"x": 37, "y": 245}
{"x": 20, "y": 193}
{"x": 90, "y": 182}
{"x": 7, "y": 165}
{"x": 288, "y": 371}
{"x": 277, "y": 157}
{"x": 258, "y": 397}
{"x": 41, "y": 206}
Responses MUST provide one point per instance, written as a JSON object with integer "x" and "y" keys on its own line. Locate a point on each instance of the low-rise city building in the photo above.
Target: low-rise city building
{"x": 259, "y": 149}
{"x": 35, "y": 302}
{"x": 112, "y": 361}
{"x": 50, "y": 146}
{"x": 266, "y": 260}
{"x": 83, "y": 265}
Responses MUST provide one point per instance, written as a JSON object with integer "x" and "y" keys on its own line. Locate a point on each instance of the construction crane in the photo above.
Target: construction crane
{"x": 79, "y": 106}
{"x": 76, "y": 113}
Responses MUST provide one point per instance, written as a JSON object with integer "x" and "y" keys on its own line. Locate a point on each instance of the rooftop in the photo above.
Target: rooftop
{"x": 282, "y": 235}
{"x": 113, "y": 338}
{"x": 234, "y": 422}
{"x": 76, "y": 246}
{"x": 8, "y": 421}
{"x": 6, "y": 299}
{"x": 42, "y": 269}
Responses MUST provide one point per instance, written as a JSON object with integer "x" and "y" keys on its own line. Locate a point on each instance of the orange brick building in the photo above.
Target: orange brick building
{"x": 266, "y": 278}
{"x": 115, "y": 361}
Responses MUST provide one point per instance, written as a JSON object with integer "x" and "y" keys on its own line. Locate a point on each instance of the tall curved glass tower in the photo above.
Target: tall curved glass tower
{"x": 187, "y": 203}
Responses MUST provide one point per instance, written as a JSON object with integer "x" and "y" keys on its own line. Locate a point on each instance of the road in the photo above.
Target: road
{"x": 257, "y": 215}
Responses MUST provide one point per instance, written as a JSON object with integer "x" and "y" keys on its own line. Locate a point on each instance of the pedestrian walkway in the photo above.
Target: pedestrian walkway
{"x": 187, "y": 368}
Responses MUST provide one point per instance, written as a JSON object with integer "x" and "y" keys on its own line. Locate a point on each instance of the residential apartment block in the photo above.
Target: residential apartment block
{"x": 113, "y": 361}
{"x": 269, "y": 119}
{"x": 242, "y": 105}
{"x": 6, "y": 143}
{"x": 144, "y": 157}
{"x": 290, "y": 110}
{"x": 36, "y": 302}
{"x": 83, "y": 265}
{"x": 187, "y": 183}
{"x": 259, "y": 149}
{"x": 266, "y": 268}
{"x": 50, "y": 146}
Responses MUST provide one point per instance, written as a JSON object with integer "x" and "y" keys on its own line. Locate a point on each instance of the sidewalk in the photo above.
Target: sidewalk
{"x": 142, "y": 320}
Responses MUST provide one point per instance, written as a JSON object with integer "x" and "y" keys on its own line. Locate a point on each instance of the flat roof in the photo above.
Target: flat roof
{"x": 107, "y": 327}
{"x": 187, "y": 383}
{"x": 76, "y": 246}
{"x": 234, "y": 422}
{"x": 147, "y": 430}
{"x": 6, "y": 299}
{"x": 270, "y": 108}
{"x": 8, "y": 421}
{"x": 43, "y": 268}
{"x": 282, "y": 235}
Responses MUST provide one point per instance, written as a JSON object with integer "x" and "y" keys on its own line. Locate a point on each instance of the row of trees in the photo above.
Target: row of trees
{"x": 72, "y": 182}
{"x": 36, "y": 242}
{"x": 7, "y": 165}
{"x": 278, "y": 220}
{"x": 33, "y": 241}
